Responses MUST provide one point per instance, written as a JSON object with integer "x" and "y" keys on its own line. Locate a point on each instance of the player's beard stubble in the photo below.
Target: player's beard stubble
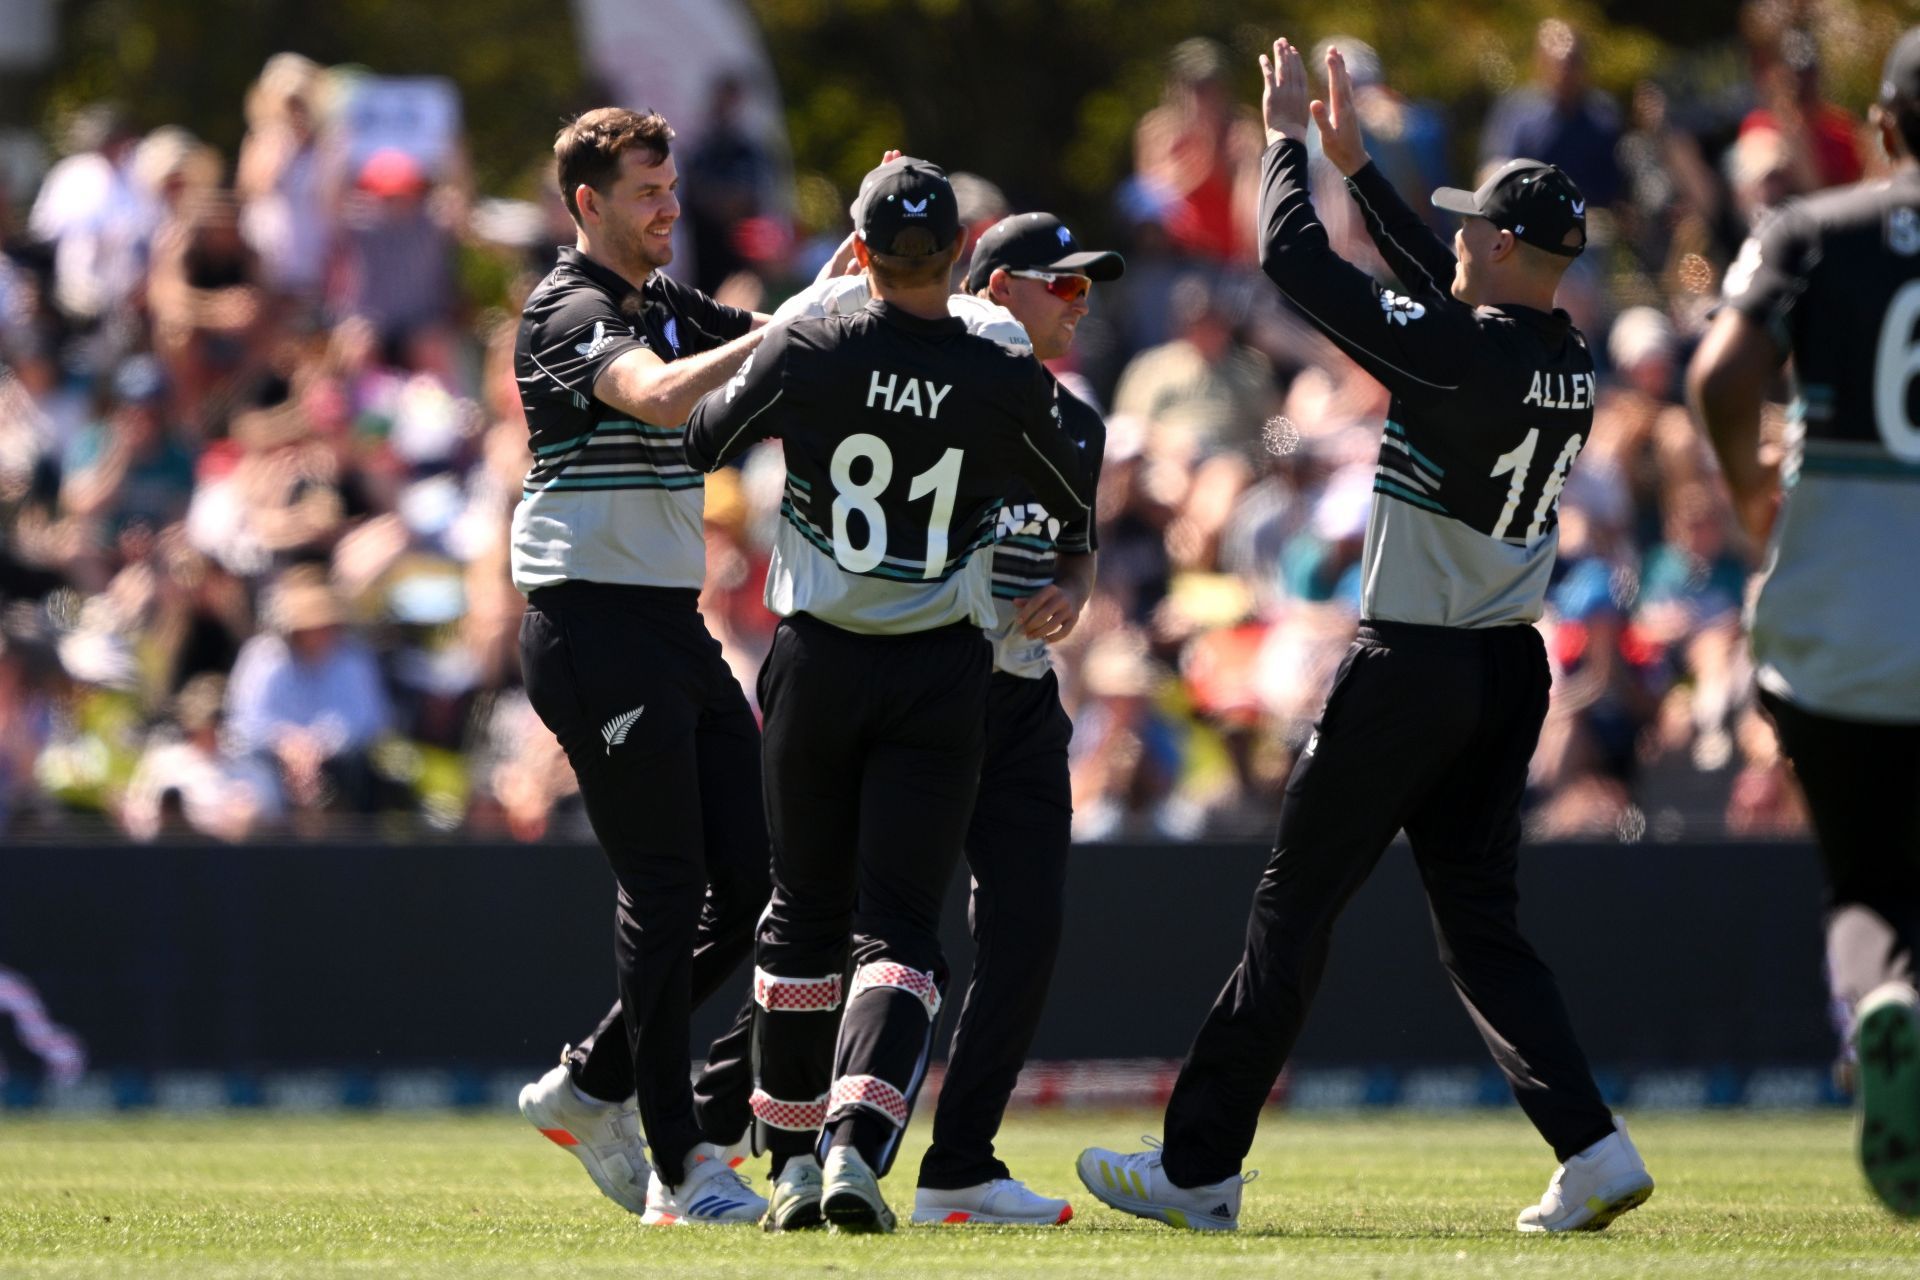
{"x": 637, "y": 253}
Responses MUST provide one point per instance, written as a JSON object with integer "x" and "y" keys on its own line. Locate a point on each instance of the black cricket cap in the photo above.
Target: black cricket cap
{"x": 1037, "y": 242}
{"x": 906, "y": 193}
{"x": 1537, "y": 202}
{"x": 1900, "y": 79}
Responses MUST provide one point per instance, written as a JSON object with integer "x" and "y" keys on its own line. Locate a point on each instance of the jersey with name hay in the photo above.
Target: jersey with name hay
{"x": 902, "y": 435}
{"x": 1490, "y": 408}
{"x": 1836, "y": 279}
{"x": 1029, "y": 539}
{"x": 608, "y": 499}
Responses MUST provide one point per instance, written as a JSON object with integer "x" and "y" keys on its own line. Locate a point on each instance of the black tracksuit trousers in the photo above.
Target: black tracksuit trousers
{"x": 1862, "y": 782}
{"x": 872, "y": 752}
{"x": 1430, "y": 730}
{"x": 665, "y": 748}
{"x": 1017, "y": 852}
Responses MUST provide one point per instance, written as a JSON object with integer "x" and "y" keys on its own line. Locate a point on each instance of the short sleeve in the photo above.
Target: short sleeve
{"x": 576, "y": 334}
{"x": 1770, "y": 273}
{"x": 705, "y": 324}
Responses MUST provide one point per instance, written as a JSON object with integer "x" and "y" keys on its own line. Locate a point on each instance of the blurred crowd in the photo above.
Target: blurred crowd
{"x": 259, "y": 449}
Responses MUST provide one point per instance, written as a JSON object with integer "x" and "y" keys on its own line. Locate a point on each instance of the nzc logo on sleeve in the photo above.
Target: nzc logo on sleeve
{"x": 1400, "y": 309}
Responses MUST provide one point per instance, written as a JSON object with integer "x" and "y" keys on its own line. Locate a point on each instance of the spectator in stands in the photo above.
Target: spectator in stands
{"x": 1559, "y": 118}
{"x": 1199, "y": 152}
{"x": 282, "y": 178}
{"x": 209, "y": 311}
{"x": 129, "y": 471}
{"x": 397, "y": 255}
{"x": 1821, "y": 141}
{"x": 185, "y": 784}
{"x": 308, "y": 697}
{"x": 89, "y": 210}
{"x": 729, "y": 183}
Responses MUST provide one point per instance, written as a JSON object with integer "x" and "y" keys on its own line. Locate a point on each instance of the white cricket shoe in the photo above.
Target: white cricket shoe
{"x": 795, "y": 1203}
{"x": 1593, "y": 1188}
{"x": 1134, "y": 1182}
{"x": 711, "y": 1194}
{"x": 1886, "y": 1037}
{"x": 850, "y": 1194}
{"x": 603, "y": 1136}
{"x": 1001, "y": 1202}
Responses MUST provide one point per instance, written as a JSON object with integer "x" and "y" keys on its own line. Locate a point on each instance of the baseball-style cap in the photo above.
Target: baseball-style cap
{"x": 1535, "y": 201}
{"x": 1900, "y": 80}
{"x": 906, "y": 193}
{"x": 1037, "y": 242}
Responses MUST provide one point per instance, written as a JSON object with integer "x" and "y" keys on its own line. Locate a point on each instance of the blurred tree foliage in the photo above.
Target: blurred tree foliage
{"x": 1043, "y": 97}
{"x": 190, "y": 62}
{"x": 1040, "y": 95}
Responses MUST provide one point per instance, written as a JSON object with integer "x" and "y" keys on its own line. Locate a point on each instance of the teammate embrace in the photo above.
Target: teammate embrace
{"x": 936, "y": 534}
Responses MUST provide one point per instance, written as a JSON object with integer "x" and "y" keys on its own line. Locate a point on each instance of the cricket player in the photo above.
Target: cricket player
{"x": 1834, "y": 281}
{"x": 1435, "y": 711}
{"x": 1030, "y": 270}
{"x": 609, "y": 548}
{"x": 903, "y": 435}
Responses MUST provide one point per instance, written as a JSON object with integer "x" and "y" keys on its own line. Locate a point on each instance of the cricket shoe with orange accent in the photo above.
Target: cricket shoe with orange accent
{"x": 1133, "y": 1182}
{"x": 711, "y": 1194}
{"x": 603, "y": 1136}
{"x": 1593, "y": 1188}
{"x": 1003, "y": 1202}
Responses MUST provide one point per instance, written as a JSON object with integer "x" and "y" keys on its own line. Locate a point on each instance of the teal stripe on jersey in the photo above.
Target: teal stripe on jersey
{"x": 1867, "y": 468}
{"x": 798, "y": 483}
{"x": 612, "y": 425}
{"x": 1420, "y": 457}
{"x": 819, "y": 541}
{"x": 1037, "y": 544}
{"x": 1393, "y": 490}
{"x": 587, "y": 483}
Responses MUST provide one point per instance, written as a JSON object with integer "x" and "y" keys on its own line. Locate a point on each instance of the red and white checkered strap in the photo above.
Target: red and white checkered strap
{"x": 901, "y": 978}
{"x": 777, "y": 994}
{"x": 871, "y": 1092}
{"x": 799, "y": 1117}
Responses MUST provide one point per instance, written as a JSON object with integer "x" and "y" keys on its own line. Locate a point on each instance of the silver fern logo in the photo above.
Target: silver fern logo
{"x": 599, "y": 342}
{"x": 615, "y": 730}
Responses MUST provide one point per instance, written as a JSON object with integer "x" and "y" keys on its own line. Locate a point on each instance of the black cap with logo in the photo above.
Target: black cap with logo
{"x": 1900, "y": 79}
{"x": 906, "y": 193}
{"x": 1037, "y": 242}
{"x": 1537, "y": 202}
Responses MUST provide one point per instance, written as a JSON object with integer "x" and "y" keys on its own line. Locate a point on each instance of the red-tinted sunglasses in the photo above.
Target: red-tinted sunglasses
{"x": 1067, "y": 288}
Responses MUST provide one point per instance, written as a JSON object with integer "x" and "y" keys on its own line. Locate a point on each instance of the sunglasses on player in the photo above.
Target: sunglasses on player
{"x": 1066, "y": 287}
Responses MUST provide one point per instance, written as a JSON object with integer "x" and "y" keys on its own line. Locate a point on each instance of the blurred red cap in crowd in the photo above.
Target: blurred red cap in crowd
{"x": 392, "y": 172}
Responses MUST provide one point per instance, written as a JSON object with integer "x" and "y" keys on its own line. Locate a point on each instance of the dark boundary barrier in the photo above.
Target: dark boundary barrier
{"x": 488, "y": 957}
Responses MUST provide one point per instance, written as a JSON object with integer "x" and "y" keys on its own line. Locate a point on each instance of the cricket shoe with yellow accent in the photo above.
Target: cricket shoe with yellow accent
{"x": 603, "y": 1136}
{"x": 1593, "y": 1188}
{"x": 711, "y": 1194}
{"x": 795, "y": 1203}
{"x": 850, "y": 1194}
{"x": 1886, "y": 1037}
{"x": 1134, "y": 1182}
{"x": 1003, "y": 1202}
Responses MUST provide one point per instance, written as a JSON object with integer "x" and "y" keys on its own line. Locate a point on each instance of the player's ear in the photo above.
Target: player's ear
{"x": 586, "y": 199}
{"x": 998, "y": 290}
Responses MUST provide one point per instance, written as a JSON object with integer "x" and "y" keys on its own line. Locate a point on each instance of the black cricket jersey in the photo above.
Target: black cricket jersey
{"x": 1030, "y": 537}
{"x": 1836, "y": 279}
{"x": 903, "y": 437}
{"x": 608, "y": 499}
{"x": 1490, "y": 407}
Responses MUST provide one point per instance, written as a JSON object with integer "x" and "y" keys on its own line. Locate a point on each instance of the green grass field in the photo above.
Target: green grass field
{"x": 1365, "y": 1196}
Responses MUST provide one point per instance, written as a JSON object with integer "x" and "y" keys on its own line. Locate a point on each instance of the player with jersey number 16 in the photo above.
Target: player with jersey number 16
{"x": 1436, "y": 709}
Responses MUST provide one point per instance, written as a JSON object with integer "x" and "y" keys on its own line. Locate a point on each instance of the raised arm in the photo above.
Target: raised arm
{"x": 1421, "y": 341}
{"x": 1411, "y": 249}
